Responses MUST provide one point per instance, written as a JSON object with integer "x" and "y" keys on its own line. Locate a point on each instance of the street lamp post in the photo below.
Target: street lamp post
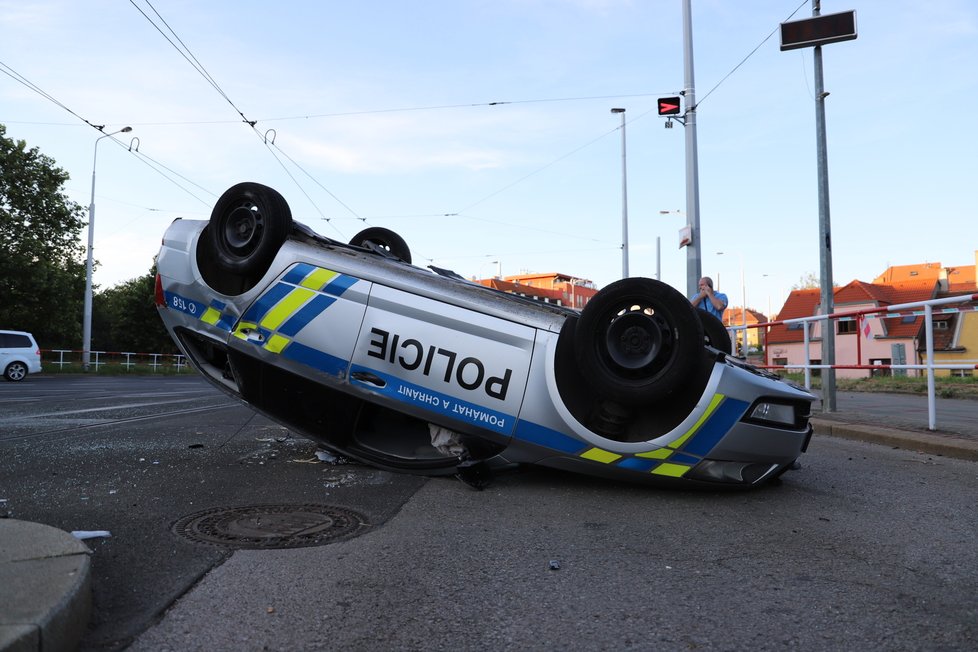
{"x": 624, "y": 199}
{"x": 87, "y": 316}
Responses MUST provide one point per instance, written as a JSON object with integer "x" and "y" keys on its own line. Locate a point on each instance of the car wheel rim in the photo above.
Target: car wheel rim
{"x": 17, "y": 372}
{"x": 242, "y": 229}
{"x": 634, "y": 340}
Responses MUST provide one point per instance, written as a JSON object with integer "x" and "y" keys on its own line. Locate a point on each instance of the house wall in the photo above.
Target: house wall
{"x": 967, "y": 339}
{"x": 850, "y": 348}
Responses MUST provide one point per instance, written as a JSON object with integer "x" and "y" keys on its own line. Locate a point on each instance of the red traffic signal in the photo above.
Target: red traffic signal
{"x": 669, "y": 106}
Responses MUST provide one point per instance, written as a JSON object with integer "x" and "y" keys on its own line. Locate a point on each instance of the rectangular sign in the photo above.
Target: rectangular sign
{"x": 818, "y": 30}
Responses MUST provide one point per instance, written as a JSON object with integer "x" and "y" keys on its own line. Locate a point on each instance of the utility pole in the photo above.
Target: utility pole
{"x": 824, "y": 234}
{"x": 814, "y": 32}
{"x": 694, "y": 264}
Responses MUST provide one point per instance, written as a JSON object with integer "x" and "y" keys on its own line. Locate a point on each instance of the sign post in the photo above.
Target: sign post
{"x": 814, "y": 32}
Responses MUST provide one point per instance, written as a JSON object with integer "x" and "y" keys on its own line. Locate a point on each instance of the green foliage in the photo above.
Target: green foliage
{"x": 810, "y": 281}
{"x": 42, "y": 273}
{"x": 125, "y": 318}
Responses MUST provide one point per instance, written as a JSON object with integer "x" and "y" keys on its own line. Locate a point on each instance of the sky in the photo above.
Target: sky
{"x": 481, "y": 131}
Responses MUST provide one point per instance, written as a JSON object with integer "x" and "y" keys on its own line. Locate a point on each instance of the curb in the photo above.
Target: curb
{"x": 46, "y": 598}
{"x": 925, "y": 442}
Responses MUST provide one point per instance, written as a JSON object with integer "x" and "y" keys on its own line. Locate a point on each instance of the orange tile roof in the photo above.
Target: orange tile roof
{"x": 803, "y": 303}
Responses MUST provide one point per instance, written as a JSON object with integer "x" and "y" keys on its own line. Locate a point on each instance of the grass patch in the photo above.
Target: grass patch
{"x": 944, "y": 386}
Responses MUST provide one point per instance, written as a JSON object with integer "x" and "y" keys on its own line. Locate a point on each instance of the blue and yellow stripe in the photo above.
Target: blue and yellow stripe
{"x": 673, "y": 460}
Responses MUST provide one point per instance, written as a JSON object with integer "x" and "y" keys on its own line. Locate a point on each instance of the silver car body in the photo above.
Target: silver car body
{"x": 454, "y": 355}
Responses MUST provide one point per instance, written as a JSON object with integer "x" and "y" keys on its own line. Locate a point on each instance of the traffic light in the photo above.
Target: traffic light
{"x": 669, "y": 106}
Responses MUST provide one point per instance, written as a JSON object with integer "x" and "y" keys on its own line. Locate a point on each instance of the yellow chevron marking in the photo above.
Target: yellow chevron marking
{"x": 276, "y": 343}
{"x": 318, "y": 278}
{"x": 210, "y": 316}
{"x": 714, "y": 403}
{"x": 284, "y": 308}
{"x": 670, "y": 469}
{"x": 600, "y": 455}
{"x": 658, "y": 454}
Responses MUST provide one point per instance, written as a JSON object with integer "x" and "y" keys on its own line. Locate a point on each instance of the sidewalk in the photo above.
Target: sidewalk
{"x": 861, "y": 415}
{"x": 45, "y": 601}
{"x": 46, "y": 594}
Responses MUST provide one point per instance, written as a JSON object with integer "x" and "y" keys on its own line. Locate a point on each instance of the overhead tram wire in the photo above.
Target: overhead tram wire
{"x": 459, "y": 106}
{"x": 189, "y": 56}
{"x": 16, "y": 76}
{"x": 154, "y": 165}
{"x": 435, "y": 107}
{"x": 461, "y": 212}
{"x": 752, "y": 52}
{"x": 195, "y": 63}
{"x": 139, "y": 155}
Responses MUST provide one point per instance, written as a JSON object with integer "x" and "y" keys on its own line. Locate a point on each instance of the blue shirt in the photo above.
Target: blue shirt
{"x": 707, "y": 305}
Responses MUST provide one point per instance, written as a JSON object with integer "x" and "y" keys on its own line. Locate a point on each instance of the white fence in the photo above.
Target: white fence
{"x": 155, "y": 361}
{"x": 926, "y": 308}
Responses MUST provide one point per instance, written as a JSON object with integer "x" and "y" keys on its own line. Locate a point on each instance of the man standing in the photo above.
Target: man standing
{"x": 712, "y": 302}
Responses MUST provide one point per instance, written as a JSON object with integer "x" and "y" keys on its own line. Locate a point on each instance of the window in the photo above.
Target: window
{"x": 940, "y": 325}
{"x": 14, "y": 341}
{"x": 962, "y": 373}
{"x": 847, "y": 327}
{"x": 873, "y": 373}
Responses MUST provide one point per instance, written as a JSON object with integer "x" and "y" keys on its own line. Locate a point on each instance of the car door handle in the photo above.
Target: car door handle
{"x": 369, "y": 379}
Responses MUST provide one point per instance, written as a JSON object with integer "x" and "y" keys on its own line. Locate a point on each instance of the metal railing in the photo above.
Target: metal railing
{"x": 157, "y": 362}
{"x": 927, "y": 310}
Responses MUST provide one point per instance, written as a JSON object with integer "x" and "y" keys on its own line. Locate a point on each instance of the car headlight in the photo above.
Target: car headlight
{"x": 774, "y": 413}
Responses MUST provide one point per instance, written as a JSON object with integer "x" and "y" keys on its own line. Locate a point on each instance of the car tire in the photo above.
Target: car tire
{"x": 15, "y": 371}
{"x": 248, "y": 225}
{"x": 715, "y": 333}
{"x": 639, "y": 340}
{"x": 384, "y": 239}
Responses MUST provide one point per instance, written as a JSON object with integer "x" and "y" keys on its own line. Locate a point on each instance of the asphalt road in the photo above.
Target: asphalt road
{"x": 863, "y": 547}
{"x": 134, "y": 455}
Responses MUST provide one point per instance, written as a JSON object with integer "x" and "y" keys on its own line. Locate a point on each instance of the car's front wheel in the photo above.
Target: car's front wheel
{"x": 15, "y": 371}
{"x": 639, "y": 340}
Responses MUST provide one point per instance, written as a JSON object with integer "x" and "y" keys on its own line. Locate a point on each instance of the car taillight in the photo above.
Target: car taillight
{"x": 160, "y": 299}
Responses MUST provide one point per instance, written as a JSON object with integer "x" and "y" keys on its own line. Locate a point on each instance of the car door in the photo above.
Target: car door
{"x": 430, "y": 358}
{"x": 306, "y": 322}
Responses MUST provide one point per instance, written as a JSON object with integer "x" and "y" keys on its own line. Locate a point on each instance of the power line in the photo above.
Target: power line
{"x": 459, "y": 106}
{"x": 16, "y": 76}
{"x": 752, "y": 52}
{"x": 188, "y": 55}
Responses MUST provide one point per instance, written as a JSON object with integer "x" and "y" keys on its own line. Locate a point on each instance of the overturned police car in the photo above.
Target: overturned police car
{"x": 420, "y": 370}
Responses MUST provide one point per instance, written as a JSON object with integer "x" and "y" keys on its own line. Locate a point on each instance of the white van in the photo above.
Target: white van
{"x": 19, "y": 355}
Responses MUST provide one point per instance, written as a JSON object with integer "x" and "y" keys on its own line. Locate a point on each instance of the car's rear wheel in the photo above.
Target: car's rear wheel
{"x": 248, "y": 225}
{"x": 15, "y": 371}
{"x": 639, "y": 340}
{"x": 384, "y": 239}
{"x": 715, "y": 332}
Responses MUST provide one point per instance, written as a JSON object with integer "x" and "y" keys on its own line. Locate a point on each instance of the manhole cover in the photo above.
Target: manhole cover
{"x": 270, "y": 526}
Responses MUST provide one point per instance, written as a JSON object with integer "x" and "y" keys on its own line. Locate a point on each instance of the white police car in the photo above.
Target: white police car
{"x": 419, "y": 370}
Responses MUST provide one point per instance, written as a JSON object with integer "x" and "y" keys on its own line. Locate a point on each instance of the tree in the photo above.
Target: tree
{"x": 42, "y": 274}
{"x": 126, "y": 318}
{"x": 810, "y": 281}
{"x": 807, "y": 282}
